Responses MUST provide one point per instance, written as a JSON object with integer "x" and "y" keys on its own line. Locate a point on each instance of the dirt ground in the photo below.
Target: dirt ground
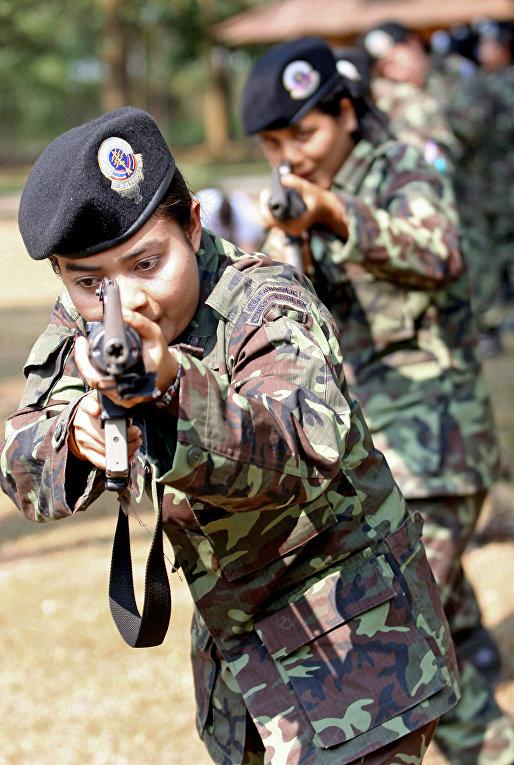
{"x": 72, "y": 693}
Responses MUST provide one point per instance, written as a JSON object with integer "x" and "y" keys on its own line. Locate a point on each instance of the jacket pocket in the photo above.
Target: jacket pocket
{"x": 246, "y": 542}
{"x": 390, "y": 311}
{"x": 45, "y": 364}
{"x": 349, "y": 651}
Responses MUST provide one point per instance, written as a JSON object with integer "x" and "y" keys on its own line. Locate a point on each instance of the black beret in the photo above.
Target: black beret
{"x": 287, "y": 82}
{"x": 379, "y": 40}
{"x": 95, "y": 186}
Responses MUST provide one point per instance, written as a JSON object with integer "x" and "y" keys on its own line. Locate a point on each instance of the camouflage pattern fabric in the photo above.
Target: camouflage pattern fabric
{"x": 475, "y": 732}
{"x": 308, "y": 574}
{"x": 419, "y": 119}
{"x": 409, "y": 749}
{"x": 494, "y": 163}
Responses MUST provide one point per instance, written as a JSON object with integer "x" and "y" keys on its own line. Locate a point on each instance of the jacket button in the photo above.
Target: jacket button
{"x": 194, "y": 456}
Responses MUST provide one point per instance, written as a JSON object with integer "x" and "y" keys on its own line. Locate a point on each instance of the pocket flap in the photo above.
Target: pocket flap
{"x": 45, "y": 363}
{"x": 404, "y": 541}
{"x": 51, "y": 339}
{"x": 356, "y": 588}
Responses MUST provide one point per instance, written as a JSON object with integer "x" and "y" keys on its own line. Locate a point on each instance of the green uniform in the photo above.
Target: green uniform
{"x": 318, "y": 635}
{"x": 417, "y": 117}
{"x": 400, "y": 297}
{"x": 491, "y": 101}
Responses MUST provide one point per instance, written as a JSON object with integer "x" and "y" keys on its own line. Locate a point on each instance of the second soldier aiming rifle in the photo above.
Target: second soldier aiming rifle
{"x": 287, "y": 204}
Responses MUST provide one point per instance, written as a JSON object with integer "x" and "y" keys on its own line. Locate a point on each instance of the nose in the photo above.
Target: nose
{"x": 132, "y": 296}
{"x": 291, "y": 154}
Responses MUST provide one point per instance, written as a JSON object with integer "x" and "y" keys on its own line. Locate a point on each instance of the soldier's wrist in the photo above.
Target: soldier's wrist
{"x": 168, "y": 390}
{"x": 335, "y": 215}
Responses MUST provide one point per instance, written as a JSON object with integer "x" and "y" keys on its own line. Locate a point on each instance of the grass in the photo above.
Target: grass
{"x": 72, "y": 692}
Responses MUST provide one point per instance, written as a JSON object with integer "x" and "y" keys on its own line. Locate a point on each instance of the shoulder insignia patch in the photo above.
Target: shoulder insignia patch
{"x": 274, "y": 295}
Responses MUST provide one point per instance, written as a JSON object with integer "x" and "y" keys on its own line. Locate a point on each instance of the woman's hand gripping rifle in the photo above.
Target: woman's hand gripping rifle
{"x": 115, "y": 350}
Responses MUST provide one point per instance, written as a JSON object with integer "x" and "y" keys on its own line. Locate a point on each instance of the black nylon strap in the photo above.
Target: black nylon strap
{"x": 150, "y": 628}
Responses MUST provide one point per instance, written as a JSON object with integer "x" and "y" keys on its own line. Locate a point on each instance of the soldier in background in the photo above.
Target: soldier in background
{"x": 318, "y": 632}
{"x": 429, "y": 100}
{"x": 382, "y": 247}
{"x": 481, "y": 115}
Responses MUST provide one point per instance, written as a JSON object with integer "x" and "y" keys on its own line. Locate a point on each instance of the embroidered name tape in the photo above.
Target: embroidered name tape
{"x": 267, "y": 297}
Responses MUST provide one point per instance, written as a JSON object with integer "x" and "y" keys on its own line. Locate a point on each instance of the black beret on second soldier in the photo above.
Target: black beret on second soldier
{"x": 379, "y": 40}
{"x": 287, "y": 82}
{"x": 95, "y": 186}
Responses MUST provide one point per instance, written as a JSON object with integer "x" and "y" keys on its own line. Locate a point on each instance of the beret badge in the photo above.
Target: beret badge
{"x": 300, "y": 80}
{"x": 122, "y": 167}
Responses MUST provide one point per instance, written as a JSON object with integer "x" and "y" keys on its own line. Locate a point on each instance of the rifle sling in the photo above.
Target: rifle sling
{"x": 150, "y": 628}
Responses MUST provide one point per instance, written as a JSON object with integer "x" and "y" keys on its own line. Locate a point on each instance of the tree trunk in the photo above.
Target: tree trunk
{"x": 216, "y": 101}
{"x": 115, "y": 91}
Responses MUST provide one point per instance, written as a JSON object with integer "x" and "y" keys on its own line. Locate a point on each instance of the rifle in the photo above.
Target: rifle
{"x": 287, "y": 204}
{"x": 115, "y": 349}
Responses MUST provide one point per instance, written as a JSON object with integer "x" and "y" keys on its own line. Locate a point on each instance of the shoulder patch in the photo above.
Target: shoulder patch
{"x": 268, "y": 296}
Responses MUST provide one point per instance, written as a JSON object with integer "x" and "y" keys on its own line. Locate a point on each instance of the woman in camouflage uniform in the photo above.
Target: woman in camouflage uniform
{"x": 318, "y": 634}
{"x": 380, "y": 242}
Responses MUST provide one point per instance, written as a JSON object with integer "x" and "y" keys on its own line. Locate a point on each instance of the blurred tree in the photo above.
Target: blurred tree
{"x": 49, "y": 73}
{"x": 64, "y": 61}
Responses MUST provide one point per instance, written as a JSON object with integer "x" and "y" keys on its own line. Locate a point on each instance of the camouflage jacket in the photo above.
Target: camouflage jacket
{"x": 286, "y": 521}
{"x": 397, "y": 290}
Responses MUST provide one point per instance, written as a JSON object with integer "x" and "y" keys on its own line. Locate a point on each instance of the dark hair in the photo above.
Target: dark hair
{"x": 176, "y": 205}
{"x": 372, "y": 123}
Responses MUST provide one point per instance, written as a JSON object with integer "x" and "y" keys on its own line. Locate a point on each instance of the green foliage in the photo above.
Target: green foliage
{"x": 57, "y": 70}
{"x": 39, "y": 44}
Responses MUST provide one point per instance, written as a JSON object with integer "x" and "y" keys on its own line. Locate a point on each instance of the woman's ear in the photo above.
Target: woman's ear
{"x": 348, "y": 116}
{"x": 194, "y": 232}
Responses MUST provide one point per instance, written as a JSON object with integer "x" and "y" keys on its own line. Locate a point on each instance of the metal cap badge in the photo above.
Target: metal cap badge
{"x": 119, "y": 164}
{"x": 300, "y": 80}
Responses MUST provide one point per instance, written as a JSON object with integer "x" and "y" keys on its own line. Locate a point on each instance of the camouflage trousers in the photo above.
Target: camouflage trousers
{"x": 475, "y": 731}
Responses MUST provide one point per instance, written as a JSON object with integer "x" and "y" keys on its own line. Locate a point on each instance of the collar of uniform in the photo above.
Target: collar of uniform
{"x": 69, "y": 313}
{"x": 213, "y": 256}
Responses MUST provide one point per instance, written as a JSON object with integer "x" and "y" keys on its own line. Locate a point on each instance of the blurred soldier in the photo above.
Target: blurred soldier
{"x": 490, "y": 99}
{"x": 318, "y": 632}
{"x": 380, "y": 230}
{"x": 419, "y": 93}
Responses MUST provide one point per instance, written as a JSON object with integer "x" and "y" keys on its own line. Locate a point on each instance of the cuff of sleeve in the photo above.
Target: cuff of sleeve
{"x": 331, "y": 252}
{"x": 73, "y": 481}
